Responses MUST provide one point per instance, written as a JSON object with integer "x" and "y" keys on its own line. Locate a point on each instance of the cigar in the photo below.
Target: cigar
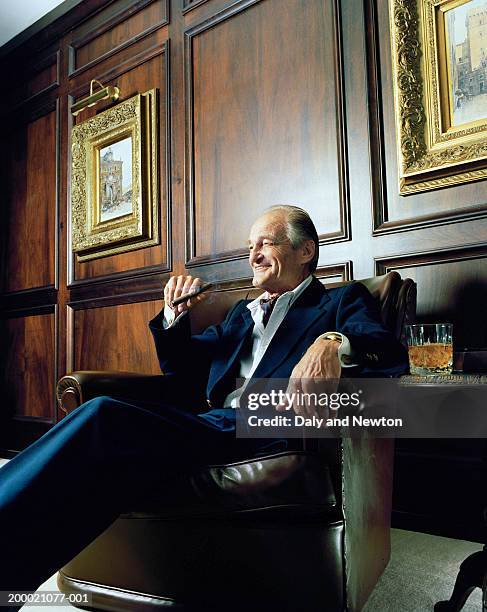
{"x": 191, "y": 294}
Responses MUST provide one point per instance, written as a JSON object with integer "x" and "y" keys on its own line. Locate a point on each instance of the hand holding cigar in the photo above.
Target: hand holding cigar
{"x": 193, "y": 293}
{"x": 182, "y": 292}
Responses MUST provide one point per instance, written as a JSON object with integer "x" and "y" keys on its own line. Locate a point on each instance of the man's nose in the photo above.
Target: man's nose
{"x": 255, "y": 256}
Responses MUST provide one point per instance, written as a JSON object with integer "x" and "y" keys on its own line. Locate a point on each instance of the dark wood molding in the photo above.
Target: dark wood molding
{"x": 69, "y": 161}
{"x": 143, "y": 295}
{"x": 35, "y": 296}
{"x": 427, "y": 258}
{"x": 114, "y": 286}
{"x": 119, "y": 69}
{"x": 168, "y": 159}
{"x": 121, "y": 278}
{"x": 343, "y": 270}
{"x": 189, "y": 5}
{"x": 50, "y": 59}
{"x": 376, "y": 124}
{"x": 28, "y": 310}
{"x": 69, "y": 338}
{"x": 57, "y": 214}
{"x": 431, "y": 220}
{"x": 46, "y": 61}
{"x": 28, "y": 298}
{"x": 344, "y": 234}
{"x": 32, "y": 109}
{"x": 104, "y": 25}
{"x": 74, "y": 70}
{"x": 342, "y": 153}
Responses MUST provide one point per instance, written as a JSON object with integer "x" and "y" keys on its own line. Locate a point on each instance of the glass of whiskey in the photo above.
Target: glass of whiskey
{"x": 430, "y": 348}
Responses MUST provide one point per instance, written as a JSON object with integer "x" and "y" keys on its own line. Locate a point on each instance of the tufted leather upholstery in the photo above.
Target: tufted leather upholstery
{"x": 296, "y": 530}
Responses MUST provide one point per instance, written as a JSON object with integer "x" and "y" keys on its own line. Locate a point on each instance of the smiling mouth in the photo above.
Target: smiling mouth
{"x": 260, "y": 268}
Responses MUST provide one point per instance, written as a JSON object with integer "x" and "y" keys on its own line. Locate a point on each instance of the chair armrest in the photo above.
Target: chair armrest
{"x": 78, "y": 387}
{"x": 367, "y": 476}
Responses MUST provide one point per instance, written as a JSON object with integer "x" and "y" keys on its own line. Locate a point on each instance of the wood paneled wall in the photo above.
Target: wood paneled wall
{"x": 260, "y": 102}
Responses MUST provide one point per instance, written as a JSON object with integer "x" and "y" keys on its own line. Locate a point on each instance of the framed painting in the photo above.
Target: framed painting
{"x": 114, "y": 180}
{"x": 439, "y": 53}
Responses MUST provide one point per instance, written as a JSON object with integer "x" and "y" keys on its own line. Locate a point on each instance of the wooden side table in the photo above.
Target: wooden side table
{"x": 457, "y": 379}
{"x": 473, "y": 571}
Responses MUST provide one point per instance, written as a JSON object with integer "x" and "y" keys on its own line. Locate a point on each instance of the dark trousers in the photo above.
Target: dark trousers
{"x": 107, "y": 456}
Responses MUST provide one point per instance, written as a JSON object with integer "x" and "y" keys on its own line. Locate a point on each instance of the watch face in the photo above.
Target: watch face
{"x": 335, "y": 337}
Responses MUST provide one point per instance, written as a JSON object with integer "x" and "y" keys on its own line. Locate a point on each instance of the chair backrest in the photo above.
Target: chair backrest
{"x": 396, "y": 298}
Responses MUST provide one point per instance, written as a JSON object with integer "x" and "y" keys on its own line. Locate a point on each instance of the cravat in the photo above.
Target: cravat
{"x": 267, "y": 307}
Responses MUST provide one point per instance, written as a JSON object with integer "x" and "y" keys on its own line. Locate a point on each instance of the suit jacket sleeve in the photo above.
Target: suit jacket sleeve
{"x": 375, "y": 348}
{"x": 179, "y": 352}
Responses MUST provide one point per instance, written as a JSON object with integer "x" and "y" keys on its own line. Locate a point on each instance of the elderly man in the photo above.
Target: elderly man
{"x": 296, "y": 330}
{"x": 108, "y": 454}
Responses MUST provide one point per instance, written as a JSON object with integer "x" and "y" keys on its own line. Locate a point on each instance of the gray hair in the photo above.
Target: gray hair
{"x": 299, "y": 227}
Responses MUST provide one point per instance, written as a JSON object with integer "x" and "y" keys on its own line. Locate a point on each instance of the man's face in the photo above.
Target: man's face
{"x": 277, "y": 267}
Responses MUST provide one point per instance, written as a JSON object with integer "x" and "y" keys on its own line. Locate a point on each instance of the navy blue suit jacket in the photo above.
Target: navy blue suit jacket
{"x": 211, "y": 359}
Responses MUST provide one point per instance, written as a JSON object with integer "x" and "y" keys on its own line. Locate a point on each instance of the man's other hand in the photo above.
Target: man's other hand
{"x": 317, "y": 371}
{"x": 178, "y": 286}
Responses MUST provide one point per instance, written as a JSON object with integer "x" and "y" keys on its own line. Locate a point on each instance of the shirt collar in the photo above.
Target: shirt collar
{"x": 289, "y": 296}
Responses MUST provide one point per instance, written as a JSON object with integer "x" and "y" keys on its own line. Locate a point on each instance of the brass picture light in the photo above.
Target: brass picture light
{"x": 105, "y": 93}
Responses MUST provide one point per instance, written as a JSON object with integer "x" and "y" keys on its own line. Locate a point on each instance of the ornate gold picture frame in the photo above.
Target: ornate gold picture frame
{"x": 440, "y": 91}
{"x": 114, "y": 179}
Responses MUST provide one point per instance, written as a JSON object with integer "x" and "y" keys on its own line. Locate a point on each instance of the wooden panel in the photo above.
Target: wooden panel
{"x": 40, "y": 78}
{"x": 120, "y": 63}
{"x": 452, "y": 287}
{"x": 391, "y": 211}
{"x": 115, "y": 338}
{"x": 115, "y": 33}
{"x": 32, "y": 202}
{"x": 264, "y": 120}
{"x": 191, "y": 4}
{"x": 28, "y": 373}
{"x": 142, "y": 78}
{"x": 337, "y": 273}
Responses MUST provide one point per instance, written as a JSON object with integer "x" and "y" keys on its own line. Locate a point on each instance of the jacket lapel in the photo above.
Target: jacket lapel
{"x": 310, "y": 305}
{"x": 235, "y": 334}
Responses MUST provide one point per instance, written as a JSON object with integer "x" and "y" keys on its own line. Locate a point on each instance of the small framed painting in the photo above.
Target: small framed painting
{"x": 114, "y": 180}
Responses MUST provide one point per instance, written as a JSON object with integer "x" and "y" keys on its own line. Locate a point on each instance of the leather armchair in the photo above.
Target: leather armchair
{"x": 298, "y": 530}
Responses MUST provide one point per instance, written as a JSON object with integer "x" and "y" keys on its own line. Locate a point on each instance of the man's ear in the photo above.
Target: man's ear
{"x": 307, "y": 251}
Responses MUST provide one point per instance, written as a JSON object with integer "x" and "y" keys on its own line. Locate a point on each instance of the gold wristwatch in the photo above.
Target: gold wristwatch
{"x": 336, "y": 336}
